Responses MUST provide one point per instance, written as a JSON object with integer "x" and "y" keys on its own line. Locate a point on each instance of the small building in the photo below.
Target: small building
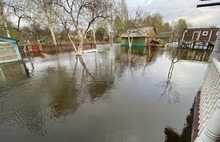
{"x": 141, "y": 36}
{"x": 9, "y": 51}
{"x": 203, "y": 37}
{"x": 167, "y": 37}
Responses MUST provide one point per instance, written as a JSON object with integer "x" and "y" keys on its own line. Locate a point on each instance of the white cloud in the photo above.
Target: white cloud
{"x": 175, "y": 9}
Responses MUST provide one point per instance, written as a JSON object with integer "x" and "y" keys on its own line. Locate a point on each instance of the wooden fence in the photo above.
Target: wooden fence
{"x": 53, "y": 48}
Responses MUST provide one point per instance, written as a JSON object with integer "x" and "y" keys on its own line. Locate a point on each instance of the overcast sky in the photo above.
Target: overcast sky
{"x": 176, "y": 9}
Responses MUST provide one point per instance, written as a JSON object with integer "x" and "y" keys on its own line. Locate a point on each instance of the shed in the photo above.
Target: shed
{"x": 206, "y": 35}
{"x": 9, "y": 51}
{"x": 141, "y": 36}
{"x": 166, "y": 36}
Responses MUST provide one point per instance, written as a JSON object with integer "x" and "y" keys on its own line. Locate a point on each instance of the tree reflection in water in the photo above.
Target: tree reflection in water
{"x": 175, "y": 55}
{"x": 171, "y": 135}
{"x": 150, "y": 56}
{"x": 170, "y": 90}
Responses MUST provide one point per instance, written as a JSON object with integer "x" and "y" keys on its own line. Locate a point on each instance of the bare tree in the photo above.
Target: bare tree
{"x": 80, "y": 15}
{"x": 3, "y": 18}
{"x": 134, "y": 27}
{"x": 41, "y": 11}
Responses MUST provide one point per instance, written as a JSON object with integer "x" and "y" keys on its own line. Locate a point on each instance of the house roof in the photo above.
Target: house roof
{"x": 6, "y": 39}
{"x": 165, "y": 34}
{"x": 138, "y": 32}
{"x": 202, "y": 29}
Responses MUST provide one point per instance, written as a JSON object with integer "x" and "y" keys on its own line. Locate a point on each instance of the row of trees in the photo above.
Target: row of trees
{"x": 56, "y": 16}
{"x": 61, "y": 20}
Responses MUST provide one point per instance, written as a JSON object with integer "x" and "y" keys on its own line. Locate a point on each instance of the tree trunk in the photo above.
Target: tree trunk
{"x": 53, "y": 35}
{"x": 93, "y": 33}
{"x": 74, "y": 47}
{"x": 79, "y": 51}
{"x": 81, "y": 37}
{"x": 6, "y": 29}
{"x": 130, "y": 41}
{"x": 110, "y": 38}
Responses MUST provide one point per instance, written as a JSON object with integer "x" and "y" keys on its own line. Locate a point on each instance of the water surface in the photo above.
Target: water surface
{"x": 100, "y": 97}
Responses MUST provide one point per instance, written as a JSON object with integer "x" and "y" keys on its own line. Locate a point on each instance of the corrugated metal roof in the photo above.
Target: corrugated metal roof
{"x": 138, "y": 32}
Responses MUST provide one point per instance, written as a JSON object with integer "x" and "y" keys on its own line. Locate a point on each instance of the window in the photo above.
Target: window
{"x": 205, "y": 33}
{"x": 217, "y": 33}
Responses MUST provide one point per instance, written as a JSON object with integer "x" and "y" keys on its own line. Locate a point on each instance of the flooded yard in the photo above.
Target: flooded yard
{"x": 99, "y": 97}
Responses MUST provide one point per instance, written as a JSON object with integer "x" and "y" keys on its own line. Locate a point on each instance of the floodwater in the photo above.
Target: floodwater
{"x": 108, "y": 96}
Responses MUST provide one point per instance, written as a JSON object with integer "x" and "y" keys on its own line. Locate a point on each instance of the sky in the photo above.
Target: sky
{"x": 176, "y": 9}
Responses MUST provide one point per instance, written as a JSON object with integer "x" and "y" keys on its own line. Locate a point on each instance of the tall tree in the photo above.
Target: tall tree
{"x": 167, "y": 27}
{"x": 179, "y": 27}
{"x": 3, "y": 18}
{"x": 155, "y": 20}
{"x": 121, "y": 17}
{"x": 123, "y": 9}
{"x": 133, "y": 26}
{"x": 17, "y": 12}
{"x": 80, "y": 18}
{"x": 42, "y": 13}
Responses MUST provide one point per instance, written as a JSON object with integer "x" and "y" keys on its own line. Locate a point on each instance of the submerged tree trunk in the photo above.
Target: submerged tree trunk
{"x": 110, "y": 38}
{"x": 79, "y": 51}
{"x": 130, "y": 41}
{"x": 81, "y": 37}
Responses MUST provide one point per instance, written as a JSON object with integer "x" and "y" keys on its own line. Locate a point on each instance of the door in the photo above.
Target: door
{"x": 195, "y": 36}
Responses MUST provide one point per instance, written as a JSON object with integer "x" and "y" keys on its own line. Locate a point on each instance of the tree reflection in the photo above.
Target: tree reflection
{"x": 103, "y": 79}
{"x": 175, "y": 55}
{"x": 93, "y": 82}
{"x": 169, "y": 88}
{"x": 65, "y": 99}
{"x": 130, "y": 59}
{"x": 171, "y": 135}
{"x": 170, "y": 92}
{"x": 151, "y": 54}
{"x": 97, "y": 89}
{"x": 80, "y": 58}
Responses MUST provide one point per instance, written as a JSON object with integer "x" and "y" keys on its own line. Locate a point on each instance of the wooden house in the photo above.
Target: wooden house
{"x": 141, "y": 36}
{"x": 199, "y": 36}
{"x": 9, "y": 51}
{"x": 166, "y": 36}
